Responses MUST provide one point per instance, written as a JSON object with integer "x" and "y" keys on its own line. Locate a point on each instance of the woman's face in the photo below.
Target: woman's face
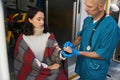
{"x": 38, "y": 20}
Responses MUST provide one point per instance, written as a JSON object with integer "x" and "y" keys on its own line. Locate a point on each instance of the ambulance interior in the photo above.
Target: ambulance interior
{"x": 64, "y": 18}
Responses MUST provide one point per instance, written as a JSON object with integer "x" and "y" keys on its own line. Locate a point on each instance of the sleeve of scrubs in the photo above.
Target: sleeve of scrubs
{"x": 109, "y": 40}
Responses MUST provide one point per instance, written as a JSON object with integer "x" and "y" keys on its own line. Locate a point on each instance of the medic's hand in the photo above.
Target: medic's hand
{"x": 69, "y": 44}
{"x": 73, "y": 53}
{"x": 64, "y": 54}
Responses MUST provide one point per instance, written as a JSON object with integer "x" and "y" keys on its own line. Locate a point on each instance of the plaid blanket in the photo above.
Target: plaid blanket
{"x": 26, "y": 68}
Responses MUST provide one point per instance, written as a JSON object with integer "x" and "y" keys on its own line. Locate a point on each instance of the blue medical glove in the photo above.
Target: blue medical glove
{"x": 64, "y": 54}
{"x": 68, "y": 43}
{"x": 73, "y": 53}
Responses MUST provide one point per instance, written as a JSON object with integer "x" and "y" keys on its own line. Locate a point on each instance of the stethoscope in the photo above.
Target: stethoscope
{"x": 88, "y": 48}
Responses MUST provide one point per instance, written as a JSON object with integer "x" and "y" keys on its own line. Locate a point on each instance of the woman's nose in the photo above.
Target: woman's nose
{"x": 42, "y": 21}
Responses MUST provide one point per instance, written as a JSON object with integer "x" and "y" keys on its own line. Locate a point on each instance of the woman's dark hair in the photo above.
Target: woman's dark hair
{"x": 28, "y": 27}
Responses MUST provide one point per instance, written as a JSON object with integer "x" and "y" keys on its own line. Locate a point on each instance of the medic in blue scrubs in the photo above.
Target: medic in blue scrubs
{"x": 97, "y": 39}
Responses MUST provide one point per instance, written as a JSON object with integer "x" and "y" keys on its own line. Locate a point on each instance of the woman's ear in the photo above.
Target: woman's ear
{"x": 29, "y": 20}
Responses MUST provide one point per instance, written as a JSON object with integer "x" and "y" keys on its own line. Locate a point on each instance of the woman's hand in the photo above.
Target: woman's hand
{"x": 67, "y": 49}
{"x": 54, "y": 66}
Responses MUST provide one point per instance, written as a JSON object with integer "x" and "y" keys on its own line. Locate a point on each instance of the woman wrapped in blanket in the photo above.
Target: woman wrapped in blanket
{"x": 37, "y": 55}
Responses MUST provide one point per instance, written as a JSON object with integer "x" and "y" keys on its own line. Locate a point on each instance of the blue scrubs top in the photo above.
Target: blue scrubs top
{"x": 104, "y": 41}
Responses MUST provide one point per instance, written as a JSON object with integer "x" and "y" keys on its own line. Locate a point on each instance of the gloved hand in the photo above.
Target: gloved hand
{"x": 64, "y": 54}
{"x": 73, "y": 53}
{"x": 68, "y": 43}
